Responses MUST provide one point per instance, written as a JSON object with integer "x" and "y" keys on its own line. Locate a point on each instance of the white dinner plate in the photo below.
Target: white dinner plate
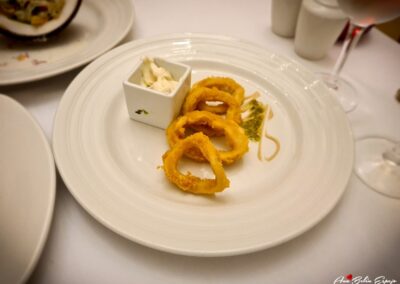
{"x": 110, "y": 163}
{"x": 27, "y": 191}
{"x": 98, "y": 26}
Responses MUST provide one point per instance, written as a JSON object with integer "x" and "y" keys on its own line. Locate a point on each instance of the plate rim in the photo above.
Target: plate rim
{"x": 51, "y": 73}
{"x": 37, "y": 252}
{"x": 200, "y": 253}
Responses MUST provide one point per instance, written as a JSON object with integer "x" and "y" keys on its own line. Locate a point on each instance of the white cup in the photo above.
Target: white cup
{"x": 284, "y": 17}
{"x": 319, "y": 25}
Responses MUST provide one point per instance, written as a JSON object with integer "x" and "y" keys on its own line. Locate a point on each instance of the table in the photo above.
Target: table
{"x": 360, "y": 236}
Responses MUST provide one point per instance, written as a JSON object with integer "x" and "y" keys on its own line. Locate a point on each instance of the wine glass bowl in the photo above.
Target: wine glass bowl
{"x": 365, "y": 13}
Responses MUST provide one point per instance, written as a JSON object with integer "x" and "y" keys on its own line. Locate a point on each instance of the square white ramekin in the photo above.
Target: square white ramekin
{"x": 153, "y": 107}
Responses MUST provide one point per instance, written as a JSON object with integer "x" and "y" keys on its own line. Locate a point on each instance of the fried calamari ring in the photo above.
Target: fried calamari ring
{"x": 189, "y": 182}
{"x": 235, "y": 137}
{"x": 203, "y": 94}
{"x": 223, "y": 84}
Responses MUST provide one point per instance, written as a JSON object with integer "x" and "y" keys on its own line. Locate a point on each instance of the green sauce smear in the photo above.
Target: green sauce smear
{"x": 253, "y": 122}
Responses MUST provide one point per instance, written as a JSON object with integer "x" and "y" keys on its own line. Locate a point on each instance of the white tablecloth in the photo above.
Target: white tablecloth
{"x": 361, "y": 236}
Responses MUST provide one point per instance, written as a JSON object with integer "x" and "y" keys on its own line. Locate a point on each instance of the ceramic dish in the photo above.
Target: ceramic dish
{"x": 110, "y": 163}
{"x": 98, "y": 26}
{"x": 27, "y": 191}
{"x": 154, "y": 107}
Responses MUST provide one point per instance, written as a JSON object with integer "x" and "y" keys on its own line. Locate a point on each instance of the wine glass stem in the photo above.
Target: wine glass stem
{"x": 353, "y": 35}
{"x": 392, "y": 156}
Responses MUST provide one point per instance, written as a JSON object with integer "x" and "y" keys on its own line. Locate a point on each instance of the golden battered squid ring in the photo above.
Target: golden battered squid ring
{"x": 202, "y": 94}
{"x": 189, "y": 182}
{"x": 223, "y": 84}
{"x": 235, "y": 137}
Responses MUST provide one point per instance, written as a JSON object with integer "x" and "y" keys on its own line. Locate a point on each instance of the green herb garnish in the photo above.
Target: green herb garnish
{"x": 140, "y": 111}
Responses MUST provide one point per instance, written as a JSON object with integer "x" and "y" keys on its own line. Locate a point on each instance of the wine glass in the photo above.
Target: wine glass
{"x": 377, "y": 161}
{"x": 378, "y": 164}
{"x": 362, "y": 14}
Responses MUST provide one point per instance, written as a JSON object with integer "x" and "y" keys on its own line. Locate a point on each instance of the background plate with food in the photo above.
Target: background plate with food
{"x": 97, "y": 27}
